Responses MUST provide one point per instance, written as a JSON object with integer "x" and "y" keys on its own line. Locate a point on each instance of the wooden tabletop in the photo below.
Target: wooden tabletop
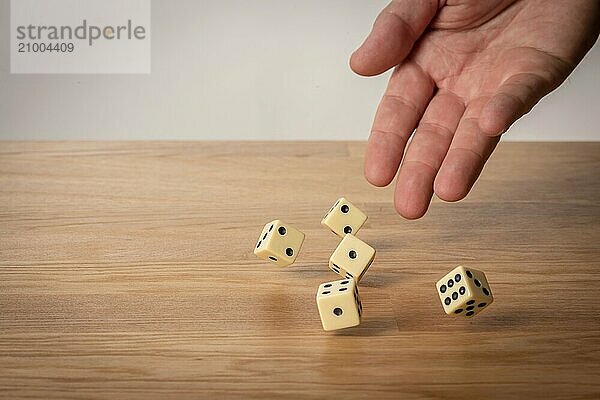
{"x": 126, "y": 271}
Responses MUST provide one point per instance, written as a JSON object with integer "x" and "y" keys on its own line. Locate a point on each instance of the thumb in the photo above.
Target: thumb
{"x": 394, "y": 33}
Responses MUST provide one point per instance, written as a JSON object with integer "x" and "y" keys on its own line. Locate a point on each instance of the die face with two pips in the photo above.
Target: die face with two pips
{"x": 344, "y": 217}
{"x": 352, "y": 258}
{"x": 339, "y": 304}
{"x": 279, "y": 243}
{"x": 464, "y": 291}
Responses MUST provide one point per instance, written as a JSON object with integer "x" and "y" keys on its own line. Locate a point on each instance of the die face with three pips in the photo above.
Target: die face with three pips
{"x": 339, "y": 304}
{"x": 352, "y": 258}
{"x": 464, "y": 291}
{"x": 344, "y": 217}
{"x": 279, "y": 243}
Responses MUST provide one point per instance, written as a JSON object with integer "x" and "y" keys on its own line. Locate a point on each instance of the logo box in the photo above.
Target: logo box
{"x": 80, "y": 36}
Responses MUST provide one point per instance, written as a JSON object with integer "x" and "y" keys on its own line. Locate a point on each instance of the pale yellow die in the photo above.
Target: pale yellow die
{"x": 352, "y": 258}
{"x": 279, "y": 243}
{"x": 339, "y": 304}
{"x": 343, "y": 218}
{"x": 464, "y": 291}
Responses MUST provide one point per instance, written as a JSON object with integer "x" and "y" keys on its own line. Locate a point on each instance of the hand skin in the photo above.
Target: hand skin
{"x": 464, "y": 71}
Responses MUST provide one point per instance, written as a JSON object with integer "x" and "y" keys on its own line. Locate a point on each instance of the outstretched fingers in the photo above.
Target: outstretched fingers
{"x": 425, "y": 154}
{"x": 394, "y": 33}
{"x": 406, "y": 97}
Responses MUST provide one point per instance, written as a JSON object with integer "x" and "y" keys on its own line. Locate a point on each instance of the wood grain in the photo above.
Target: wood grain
{"x": 126, "y": 271}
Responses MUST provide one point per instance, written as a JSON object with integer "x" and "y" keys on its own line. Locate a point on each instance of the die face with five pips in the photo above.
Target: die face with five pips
{"x": 279, "y": 243}
{"x": 344, "y": 217}
{"x": 464, "y": 291}
{"x": 352, "y": 258}
{"x": 339, "y": 304}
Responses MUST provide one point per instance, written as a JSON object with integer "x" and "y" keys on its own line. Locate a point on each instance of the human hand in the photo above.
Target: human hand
{"x": 465, "y": 70}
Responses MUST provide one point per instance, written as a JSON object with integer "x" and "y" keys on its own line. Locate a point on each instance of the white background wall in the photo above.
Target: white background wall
{"x": 247, "y": 69}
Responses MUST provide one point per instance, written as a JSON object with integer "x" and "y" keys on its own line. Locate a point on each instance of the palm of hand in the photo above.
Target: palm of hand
{"x": 480, "y": 66}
